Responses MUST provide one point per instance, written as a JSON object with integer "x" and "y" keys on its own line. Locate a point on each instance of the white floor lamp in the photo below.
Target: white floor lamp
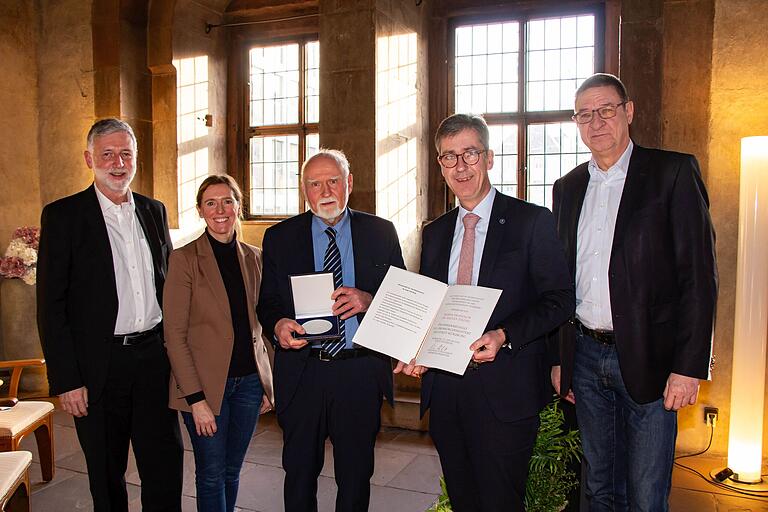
{"x": 745, "y": 439}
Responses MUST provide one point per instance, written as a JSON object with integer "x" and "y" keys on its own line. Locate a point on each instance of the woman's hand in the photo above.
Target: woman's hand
{"x": 205, "y": 421}
{"x": 266, "y": 406}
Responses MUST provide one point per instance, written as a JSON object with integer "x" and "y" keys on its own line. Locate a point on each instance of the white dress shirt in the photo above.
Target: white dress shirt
{"x": 138, "y": 309}
{"x": 594, "y": 241}
{"x": 482, "y": 210}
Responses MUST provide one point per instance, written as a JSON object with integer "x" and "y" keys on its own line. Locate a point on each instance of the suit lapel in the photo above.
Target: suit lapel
{"x": 210, "y": 270}
{"x": 359, "y": 247}
{"x": 95, "y": 224}
{"x": 306, "y": 259}
{"x": 494, "y": 239}
{"x": 249, "y": 270}
{"x": 632, "y": 194}
{"x": 149, "y": 227}
{"x": 446, "y": 241}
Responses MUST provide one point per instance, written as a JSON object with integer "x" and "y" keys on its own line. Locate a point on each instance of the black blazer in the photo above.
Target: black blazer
{"x": 524, "y": 259}
{"x": 662, "y": 274}
{"x": 76, "y": 291}
{"x": 287, "y": 250}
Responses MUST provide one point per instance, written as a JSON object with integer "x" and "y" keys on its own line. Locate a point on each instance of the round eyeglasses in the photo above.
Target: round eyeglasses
{"x": 470, "y": 157}
{"x": 605, "y": 112}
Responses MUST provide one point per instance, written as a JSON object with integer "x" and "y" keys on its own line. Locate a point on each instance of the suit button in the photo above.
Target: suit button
{"x": 613, "y": 275}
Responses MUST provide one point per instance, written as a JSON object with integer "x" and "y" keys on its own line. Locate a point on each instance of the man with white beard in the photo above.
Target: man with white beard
{"x": 327, "y": 389}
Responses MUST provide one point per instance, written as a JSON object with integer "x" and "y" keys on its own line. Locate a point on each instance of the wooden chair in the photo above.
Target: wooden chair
{"x": 14, "y": 481}
{"x": 19, "y": 418}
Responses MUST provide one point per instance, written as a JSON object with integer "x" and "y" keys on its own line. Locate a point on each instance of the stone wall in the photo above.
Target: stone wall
{"x": 66, "y": 97}
{"x": 46, "y": 101}
{"x": 19, "y": 160}
{"x": 738, "y": 106}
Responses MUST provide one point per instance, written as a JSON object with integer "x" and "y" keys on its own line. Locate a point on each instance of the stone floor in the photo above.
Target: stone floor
{"x": 405, "y": 479}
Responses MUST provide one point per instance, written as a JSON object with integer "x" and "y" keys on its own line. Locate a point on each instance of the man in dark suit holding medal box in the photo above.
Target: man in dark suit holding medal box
{"x": 329, "y": 388}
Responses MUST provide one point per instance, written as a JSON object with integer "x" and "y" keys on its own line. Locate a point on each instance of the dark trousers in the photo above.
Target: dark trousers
{"x": 336, "y": 399}
{"x": 134, "y": 408}
{"x": 484, "y": 460}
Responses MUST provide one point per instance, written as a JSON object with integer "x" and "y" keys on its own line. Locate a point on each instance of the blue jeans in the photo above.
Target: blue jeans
{"x": 218, "y": 459}
{"x": 629, "y": 447}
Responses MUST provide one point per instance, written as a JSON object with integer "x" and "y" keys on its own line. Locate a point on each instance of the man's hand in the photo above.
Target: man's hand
{"x": 555, "y": 375}
{"x": 680, "y": 391}
{"x": 350, "y": 301}
{"x": 411, "y": 369}
{"x": 487, "y": 346}
{"x": 75, "y": 402}
{"x": 266, "y": 405}
{"x": 284, "y": 329}
{"x": 205, "y": 421}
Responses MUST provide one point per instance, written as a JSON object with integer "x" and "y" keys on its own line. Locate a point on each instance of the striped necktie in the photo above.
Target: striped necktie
{"x": 332, "y": 263}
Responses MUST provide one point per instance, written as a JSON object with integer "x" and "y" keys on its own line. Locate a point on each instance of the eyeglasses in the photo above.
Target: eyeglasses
{"x": 470, "y": 157}
{"x": 605, "y": 112}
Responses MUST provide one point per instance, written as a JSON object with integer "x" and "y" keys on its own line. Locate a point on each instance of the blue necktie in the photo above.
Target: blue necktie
{"x": 332, "y": 263}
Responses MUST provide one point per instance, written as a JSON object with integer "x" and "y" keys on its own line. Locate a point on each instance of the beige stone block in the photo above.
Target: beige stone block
{"x": 328, "y": 7}
{"x": 641, "y": 11}
{"x": 687, "y": 76}
{"x": 106, "y": 47}
{"x": 164, "y": 98}
{"x": 348, "y": 99}
{"x": 347, "y": 40}
{"x": 641, "y": 72}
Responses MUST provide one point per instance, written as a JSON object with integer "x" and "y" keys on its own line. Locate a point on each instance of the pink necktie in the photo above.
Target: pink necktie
{"x": 467, "y": 255}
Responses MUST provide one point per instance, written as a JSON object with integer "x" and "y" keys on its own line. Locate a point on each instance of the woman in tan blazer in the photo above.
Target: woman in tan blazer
{"x": 221, "y": 377}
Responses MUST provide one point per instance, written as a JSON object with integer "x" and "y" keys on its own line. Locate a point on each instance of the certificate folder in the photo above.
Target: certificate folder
{"x": 313, "y": 306}
{"x": 416, "y": 317}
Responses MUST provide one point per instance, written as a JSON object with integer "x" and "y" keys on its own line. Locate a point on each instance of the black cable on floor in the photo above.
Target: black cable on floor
{"x": 752, "y": 494}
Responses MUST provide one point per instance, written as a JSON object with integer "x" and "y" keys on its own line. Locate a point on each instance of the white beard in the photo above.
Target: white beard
{"x": 329, "y": 213}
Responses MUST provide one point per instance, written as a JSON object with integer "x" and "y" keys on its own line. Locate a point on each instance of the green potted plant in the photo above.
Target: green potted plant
{"x": 549, "y": 478}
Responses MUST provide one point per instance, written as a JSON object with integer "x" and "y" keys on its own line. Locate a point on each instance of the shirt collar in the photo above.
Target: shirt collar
{"x": 107, "y": 205}
{"x": 620, "y": 168}
{"x": 483, "y": 208}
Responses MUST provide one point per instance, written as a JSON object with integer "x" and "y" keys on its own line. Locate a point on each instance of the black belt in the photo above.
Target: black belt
{"x": 137, "y": 338}
{"x": 604, "y": 337}
{"x": 323, "y": 355}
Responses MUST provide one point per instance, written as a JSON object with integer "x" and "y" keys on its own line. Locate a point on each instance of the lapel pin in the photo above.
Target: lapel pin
{"x": 502, "y": 221}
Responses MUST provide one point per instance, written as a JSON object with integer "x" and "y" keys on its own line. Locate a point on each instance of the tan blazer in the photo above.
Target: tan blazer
{"x": 198, "y": 324}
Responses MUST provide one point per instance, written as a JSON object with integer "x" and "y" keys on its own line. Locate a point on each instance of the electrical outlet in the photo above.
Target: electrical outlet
{"x": 710, "y": 415}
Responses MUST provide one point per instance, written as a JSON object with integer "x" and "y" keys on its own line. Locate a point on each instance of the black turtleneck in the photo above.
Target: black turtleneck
{"x": 243, "y": 361}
